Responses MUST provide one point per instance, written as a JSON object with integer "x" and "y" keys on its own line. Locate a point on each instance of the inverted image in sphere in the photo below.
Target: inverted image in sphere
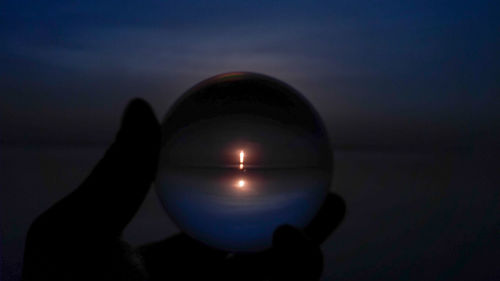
{"x": 242, "y": 153}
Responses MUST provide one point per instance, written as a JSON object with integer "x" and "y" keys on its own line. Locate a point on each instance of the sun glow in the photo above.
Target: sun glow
{"x": 241, "y": 183}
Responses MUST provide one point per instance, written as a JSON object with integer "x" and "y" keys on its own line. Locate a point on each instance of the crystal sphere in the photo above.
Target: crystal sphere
{"x": 242, "y": 153}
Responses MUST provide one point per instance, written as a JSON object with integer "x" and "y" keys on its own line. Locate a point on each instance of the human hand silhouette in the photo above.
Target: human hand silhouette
{"x": 79, "y": 238}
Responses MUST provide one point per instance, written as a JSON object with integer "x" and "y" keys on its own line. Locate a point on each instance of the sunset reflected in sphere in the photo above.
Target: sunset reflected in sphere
{"x": 242, "y": 154}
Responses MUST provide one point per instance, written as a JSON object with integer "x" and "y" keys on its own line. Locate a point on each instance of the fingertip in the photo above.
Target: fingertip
{"x": 136, "y": 109}
{"x": 328, "y": 218}
{"x": 139, "y": 123}
{"x": 286, "y": 235}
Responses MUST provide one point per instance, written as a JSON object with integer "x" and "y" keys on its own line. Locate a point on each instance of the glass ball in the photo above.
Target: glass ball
{"x": 242, "y": 154}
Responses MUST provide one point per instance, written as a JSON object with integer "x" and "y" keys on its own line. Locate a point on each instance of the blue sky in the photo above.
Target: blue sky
{"x": 379, "y": 72}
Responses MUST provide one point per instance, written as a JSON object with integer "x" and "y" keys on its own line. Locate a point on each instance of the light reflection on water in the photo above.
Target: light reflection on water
{"x": 238, "y": 210}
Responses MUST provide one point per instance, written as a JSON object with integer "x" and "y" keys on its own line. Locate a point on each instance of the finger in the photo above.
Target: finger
{"x": 112, "y": 193}
{"x": 329, "y": 217}
{"x": 295, "y": 257}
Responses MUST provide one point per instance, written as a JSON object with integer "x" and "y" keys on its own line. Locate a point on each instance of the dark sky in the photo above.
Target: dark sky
{"x": 419, "y": 73}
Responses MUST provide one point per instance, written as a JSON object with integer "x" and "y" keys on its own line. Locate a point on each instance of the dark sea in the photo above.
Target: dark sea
{"x": 410, "y": 215}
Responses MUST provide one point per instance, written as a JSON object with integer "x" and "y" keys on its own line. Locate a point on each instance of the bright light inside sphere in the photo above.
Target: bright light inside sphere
{"x": 242, "y": 156}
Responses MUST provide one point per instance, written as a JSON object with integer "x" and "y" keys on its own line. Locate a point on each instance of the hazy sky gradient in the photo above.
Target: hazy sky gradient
{"x": 379, "y": 72}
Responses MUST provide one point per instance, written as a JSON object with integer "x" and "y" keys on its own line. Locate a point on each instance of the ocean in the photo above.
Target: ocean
{"x": 410, "y": 215}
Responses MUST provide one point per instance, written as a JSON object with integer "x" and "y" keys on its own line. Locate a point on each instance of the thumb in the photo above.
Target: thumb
{"x": 110, "y": 196}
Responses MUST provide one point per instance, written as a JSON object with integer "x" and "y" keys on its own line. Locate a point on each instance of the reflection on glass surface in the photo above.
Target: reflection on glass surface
{"x": 242, "y": 154}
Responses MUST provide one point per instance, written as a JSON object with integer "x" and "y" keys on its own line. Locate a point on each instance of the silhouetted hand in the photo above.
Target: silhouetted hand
{"x": 79, "y": 238}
